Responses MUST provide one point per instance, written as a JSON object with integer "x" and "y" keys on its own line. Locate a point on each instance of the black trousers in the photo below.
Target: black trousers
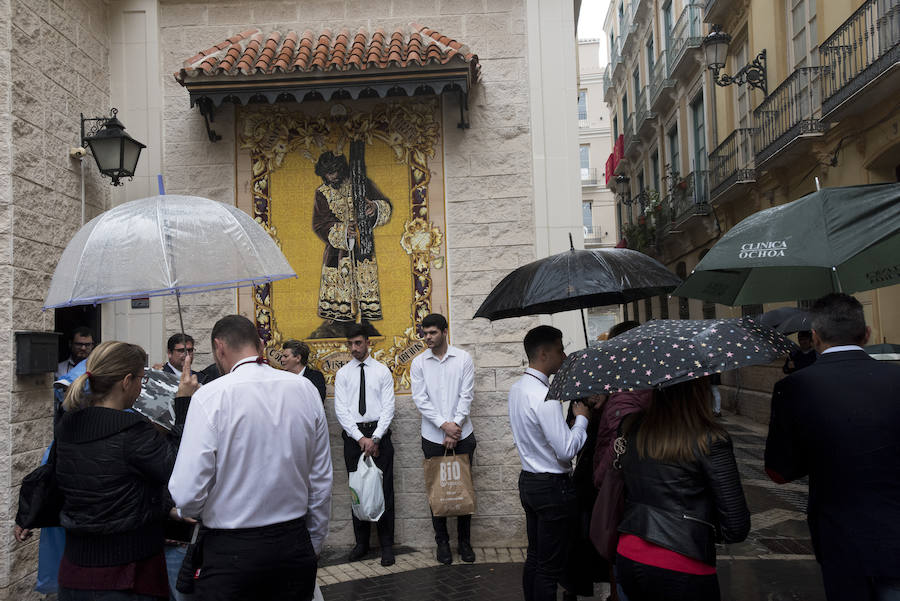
{"x": 385, "y": 462}
{"x": 649, "y": 583}
{"x": 466, "y": 446}
{"x": 270, "y": 563}
{"x": 551, "y": 514}
{"x": 845, "y": 578}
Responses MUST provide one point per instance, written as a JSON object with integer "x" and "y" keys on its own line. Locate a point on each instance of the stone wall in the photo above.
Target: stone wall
{"x": 490, "y": 222}
{"x": 53, "y": 66}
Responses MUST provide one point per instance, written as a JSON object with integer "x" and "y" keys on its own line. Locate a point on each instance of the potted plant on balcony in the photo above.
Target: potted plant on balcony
{"x": 652, "y": 202}
{"x": 639, "y": 236}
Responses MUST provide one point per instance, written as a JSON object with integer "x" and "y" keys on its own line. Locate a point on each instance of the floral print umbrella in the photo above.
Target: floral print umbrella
{"x": 665, "y": 352}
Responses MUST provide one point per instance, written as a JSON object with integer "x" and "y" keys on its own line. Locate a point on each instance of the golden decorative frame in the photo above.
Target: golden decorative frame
{"x": 412, "y": 130}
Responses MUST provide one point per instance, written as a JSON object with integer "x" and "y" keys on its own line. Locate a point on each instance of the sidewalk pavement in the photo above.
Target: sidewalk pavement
{"x": 775, "y": 563}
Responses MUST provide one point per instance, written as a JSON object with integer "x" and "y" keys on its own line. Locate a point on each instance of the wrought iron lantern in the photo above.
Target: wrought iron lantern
{"x": 715, "y": 49}
{"x": 622, "y": 189}
{"x": 115, "y": 152}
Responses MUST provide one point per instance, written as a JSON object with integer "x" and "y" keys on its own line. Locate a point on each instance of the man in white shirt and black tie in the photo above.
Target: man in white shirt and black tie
{"x": 546, "y": 448}
{"x": 364, "y": 405}
{"x": 255, "y": 467}
{"x": 443, "y": 380}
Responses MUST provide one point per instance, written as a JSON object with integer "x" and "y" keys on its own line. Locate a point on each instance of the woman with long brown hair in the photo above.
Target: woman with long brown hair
{"x": 682, "y": 495}
{"x": 112, "y": 467}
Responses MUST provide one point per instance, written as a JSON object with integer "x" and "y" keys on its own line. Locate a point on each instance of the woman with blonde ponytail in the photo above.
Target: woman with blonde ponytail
{"x": 112, "y": 467}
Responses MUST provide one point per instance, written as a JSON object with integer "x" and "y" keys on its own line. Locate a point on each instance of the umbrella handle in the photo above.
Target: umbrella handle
{"x": 180, "y": 319}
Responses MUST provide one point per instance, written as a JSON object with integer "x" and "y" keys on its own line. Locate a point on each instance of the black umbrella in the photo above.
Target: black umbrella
{"x": 787, "y": 320}
{"x": 578, "y": 279}
{"x": 664, "y": 352}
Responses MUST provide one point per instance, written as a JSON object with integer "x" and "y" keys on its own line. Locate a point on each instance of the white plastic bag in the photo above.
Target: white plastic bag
{"x": 366, "y": 494}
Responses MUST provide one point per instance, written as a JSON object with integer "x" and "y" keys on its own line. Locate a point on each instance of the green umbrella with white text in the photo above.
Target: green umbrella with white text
{"x": 833, "y": 240}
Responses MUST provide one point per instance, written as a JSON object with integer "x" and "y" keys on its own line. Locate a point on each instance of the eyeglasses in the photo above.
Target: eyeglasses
{"x": 83, "y": 344}
{"x": 182, "y": 351}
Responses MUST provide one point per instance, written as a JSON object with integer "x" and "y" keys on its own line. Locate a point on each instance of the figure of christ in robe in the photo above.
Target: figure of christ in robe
{"x": 349, "y": 287}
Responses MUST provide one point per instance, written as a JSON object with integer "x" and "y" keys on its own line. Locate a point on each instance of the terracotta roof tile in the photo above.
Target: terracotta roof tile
{"x": 250, "y": 52}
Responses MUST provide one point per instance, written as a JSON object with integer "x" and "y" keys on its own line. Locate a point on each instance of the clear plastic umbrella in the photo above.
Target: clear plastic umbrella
{"x": 164, "y": 245}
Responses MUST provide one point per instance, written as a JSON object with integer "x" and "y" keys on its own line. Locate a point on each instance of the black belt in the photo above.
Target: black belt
{"x": 267, "y": 529}
{"x": 545, "y": 476}
{"x": 366, "y": 425}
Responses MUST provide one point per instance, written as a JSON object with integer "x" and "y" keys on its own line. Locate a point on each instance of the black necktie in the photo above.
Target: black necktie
{"x": 362, "y": 390}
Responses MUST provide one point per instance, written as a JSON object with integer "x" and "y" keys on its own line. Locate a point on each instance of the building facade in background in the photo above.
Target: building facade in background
{"x": 598, "y": 205}
{"x": 697, "y": 157}
{"x": 497, "y": 159}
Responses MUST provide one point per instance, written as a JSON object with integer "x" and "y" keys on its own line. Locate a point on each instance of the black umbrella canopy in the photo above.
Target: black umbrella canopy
{"x": 578, "y": 279}
{"x": 665, "y": 352}
{"x": 787, "y": 320}
{"x": 834, "y": 240}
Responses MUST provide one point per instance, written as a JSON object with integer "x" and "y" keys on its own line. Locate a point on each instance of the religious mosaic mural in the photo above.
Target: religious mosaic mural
{"x": 353, "y": 194}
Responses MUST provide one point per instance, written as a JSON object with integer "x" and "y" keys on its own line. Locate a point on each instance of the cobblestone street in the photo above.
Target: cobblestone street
{"x": 775, "y": 563}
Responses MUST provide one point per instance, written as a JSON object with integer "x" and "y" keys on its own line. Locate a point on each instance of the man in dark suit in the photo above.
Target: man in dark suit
{"x": 178, "y": 347}
{"x": 838, "y": 421}
{"x": 295, "y": 358}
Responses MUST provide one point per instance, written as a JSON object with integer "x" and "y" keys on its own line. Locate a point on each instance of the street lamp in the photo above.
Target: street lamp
{"x": 715, "y": 49}
{"x": 115, "y": 152}
{"x": 622, "y": 189}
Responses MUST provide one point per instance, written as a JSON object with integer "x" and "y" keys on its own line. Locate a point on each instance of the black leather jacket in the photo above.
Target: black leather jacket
{"x": 112, "y": 468}
{"x": 685, "y": 507}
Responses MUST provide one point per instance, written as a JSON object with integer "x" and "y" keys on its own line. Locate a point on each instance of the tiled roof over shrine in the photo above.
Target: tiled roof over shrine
{"x": 254, "y": 53}
{"x": 253, "y": 67}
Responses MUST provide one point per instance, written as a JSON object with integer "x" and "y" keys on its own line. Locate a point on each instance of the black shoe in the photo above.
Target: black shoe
{"x": 358, "y": 552}
{"x": 717, "y": 414}
{"x": 465, "y": 552}
{"x": 444, "y": 555}
{"x": 387, "y": 556}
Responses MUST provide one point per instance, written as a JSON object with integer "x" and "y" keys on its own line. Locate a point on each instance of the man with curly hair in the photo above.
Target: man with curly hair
{"x": 348, "y": 207}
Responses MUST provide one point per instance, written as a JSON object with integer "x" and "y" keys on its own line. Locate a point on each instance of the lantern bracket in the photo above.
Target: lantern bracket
{"x": 97, "y": 123}
{"x": 208, "y": 110}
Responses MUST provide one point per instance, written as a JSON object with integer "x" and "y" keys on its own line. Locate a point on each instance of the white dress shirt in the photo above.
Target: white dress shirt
{"x": 175, "y": 370}
{"x": 545, "y": 442}
{"x": 379, "y": 397}
{"x": 255, "y": 452}
{"x": 845, "y": 347}
{"x": 442, "y": 390}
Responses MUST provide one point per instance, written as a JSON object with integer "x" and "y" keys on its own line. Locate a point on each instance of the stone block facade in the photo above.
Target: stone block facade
{"x": 55, "y": 63}
{"x": 53, "y": 67}
{"x": 490, "y": 221}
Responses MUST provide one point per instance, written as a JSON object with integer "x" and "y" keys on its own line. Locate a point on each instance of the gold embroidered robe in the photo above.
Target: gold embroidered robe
{"x": 332, "y": 214}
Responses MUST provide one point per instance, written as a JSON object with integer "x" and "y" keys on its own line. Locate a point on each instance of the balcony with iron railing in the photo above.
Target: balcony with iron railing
{"x": 686, "y": 198}
{"x": 645, "y": 119}
{"x": 687, "y": 37}
{"x": 630, "y": 26}
{"x": 608, "y": 88}
{"x": 661, "y": 85}
{"x": 789, "y": 114}
{"x": 632, "y": 140}
{"x": 641, "y": 9}
{"x": 589, "y": 176}
{"x": 860, "y": 60}
{"x": 690, "y": 197}
{"x": 716, "y": 11}
{"x": 731, "y": 163}
{"x": 616, "y": 59}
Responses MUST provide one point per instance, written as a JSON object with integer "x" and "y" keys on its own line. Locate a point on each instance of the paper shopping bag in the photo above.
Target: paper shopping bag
{"x": 448, "y": 482}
